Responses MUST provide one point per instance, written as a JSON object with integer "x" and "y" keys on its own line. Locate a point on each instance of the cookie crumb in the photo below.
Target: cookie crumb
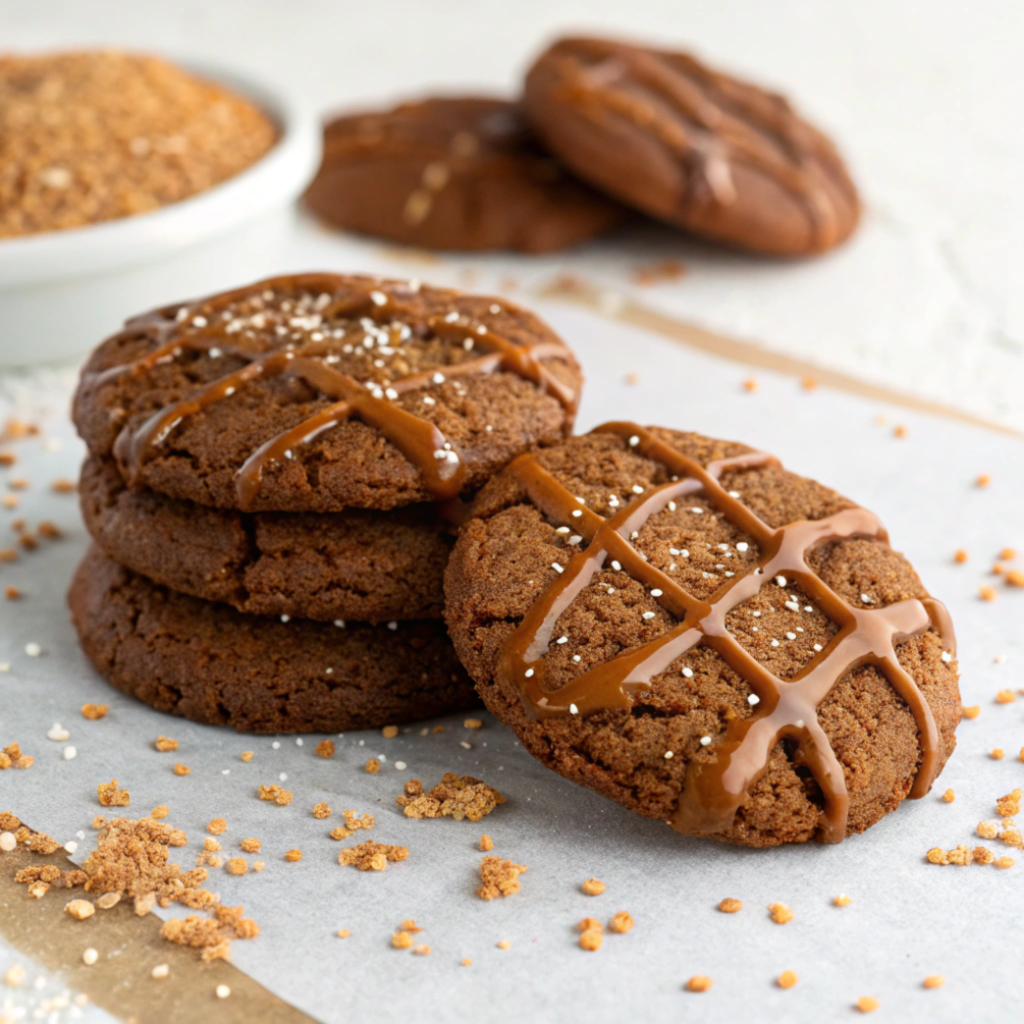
{"x": 949, "y": 796}
{"x": 250, "y": 845}
{"x": 698, "y": 983}
{"x": 94, "y": 712}
{"x": 591, "y": 940}
{"x": 456, "y": 796}
{"x": 217, "y": 826}
{"x": 987, "y": 593}
{"x": 486, "y": 843}
{"x": 622, "y": 922}
{"x": 247, "y": 756}
{"x": 275, "y": 794}
{"x": 324, "y": 749}
{"x": 842, "y": 900}
{"x": 1006, "y": 697}
{"x": 210, "y": 845}
{"x": 160, "y": 812}
{"x": 466, "y": 963}
{"x": 401, "y": 940}
{"x": 373, "y": 766}
{"x": 237, "y": 866}
{"x": 293, "y": 855}
{"x": 498, "y": 877}
{"x": 321, "y": 811}
{"x": 973, "y": 711}
{"x": 343, "y": 933}
{"x": 80, "y": 909}
{"x": 1005, "y": 862}
{"x": 787, "y": 979}
{"x": 181, "y": 769}
{"x": 473, "y": 723}
{"x": 111, "y": 796}
{"x": 960, "y": 556}
{"x": 371, "y": 856}
{"x": 867, "y": 1004}
{"x": 165, "y": 743}
{"x": 998, "y": 754}
{"x": 934, "y": 981}
{"x": 258, "y": 866}
{"x": 90, "y": 956}
{"x": 389, "y": 732}
{"x": 780, "y": 913}
{"x": 593, "y": 887}
{"x": 504, "y": 944}
{"x": 730, "y": 905}
{"x": 421, "y": 950}
{"x": 160, "y": 971}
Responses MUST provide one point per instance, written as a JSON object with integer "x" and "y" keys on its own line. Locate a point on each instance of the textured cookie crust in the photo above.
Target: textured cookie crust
{"x": 208, "y": 663}
{"x": 506, "y": 556}
{"x": 462, "y": 173}
{"x": 360, "y": 565}
{"x": 694, "y": 147}
{"x": 321, "y": 392}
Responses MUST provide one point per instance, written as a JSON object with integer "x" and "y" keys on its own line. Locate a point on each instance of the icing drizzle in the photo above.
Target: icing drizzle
{"x": 716, "y": 788}
{"x": 373, "y": 306}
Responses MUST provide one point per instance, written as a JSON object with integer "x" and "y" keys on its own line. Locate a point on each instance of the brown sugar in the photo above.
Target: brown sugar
{"x": 593, "y": 887}
{"x": 780, "y": 913}
{"x": 293, "y": 855}
{"x": 457, "y": 796}
{"x": 165, "y": 744}
{"x": 321, "y": 811}
{"x": 275, "y": 794}
{"x": 498, "y": 877}
{"x": 373, "y": 766}
{"x": 324, "y": 749}
{"x": 730, "y": 905}
{"x": 111, "y": 796}
{"x": 250, "y": 845}
{"x": 787, "y": 979}
{"x": 217, "y": 826}
{"x": 371, "y": 856}
{"x": 622, "y": 922}
{"x": 699, "y": 983}
{"x": 96, "y": 135}
{"x": 591, "y": 940}
{"x": 486, "y": 843}
{"x": 94, "y": 712}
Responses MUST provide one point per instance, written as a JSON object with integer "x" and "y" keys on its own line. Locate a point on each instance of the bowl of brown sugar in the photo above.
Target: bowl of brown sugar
{"x": 127, "y": 180}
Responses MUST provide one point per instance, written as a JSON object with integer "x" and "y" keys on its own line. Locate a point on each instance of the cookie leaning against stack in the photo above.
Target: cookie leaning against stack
{"x": 297, "y": 449}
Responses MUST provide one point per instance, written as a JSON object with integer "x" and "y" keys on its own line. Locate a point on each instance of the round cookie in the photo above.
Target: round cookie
{"x": 690, "y": 630}
{"x": 462, "y": 173}
{"x": 669, "y": 136}
{"x": 208, "y": 663}
{"x": 358, "y": 564}
{"x": 318, "y": 392}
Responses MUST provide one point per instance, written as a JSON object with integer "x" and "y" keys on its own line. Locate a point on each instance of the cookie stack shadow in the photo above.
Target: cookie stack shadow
{"x": 272, "y": 486}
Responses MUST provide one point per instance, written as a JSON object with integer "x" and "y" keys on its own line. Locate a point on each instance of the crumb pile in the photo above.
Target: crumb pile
{"x": 455, "y": 796}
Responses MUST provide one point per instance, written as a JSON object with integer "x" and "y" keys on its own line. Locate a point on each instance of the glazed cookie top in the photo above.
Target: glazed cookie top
{"x": 316, "y": 392}
{"x": 670, "y": 136}
{"x": 646, "y": 571}
{"x": 463, "y": 173}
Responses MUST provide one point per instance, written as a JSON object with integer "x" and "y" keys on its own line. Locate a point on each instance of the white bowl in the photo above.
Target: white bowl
{"x": 62, "y": 292}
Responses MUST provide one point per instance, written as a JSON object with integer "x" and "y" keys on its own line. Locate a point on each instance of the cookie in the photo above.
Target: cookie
{"x": 319, "y": 392}
{"x": 689, "y": 629}
{"x": 358, "y": 564}
{"x": 667, "y": 135}
{"x": 208, "y": 663}
{"x": 461, "y": 173}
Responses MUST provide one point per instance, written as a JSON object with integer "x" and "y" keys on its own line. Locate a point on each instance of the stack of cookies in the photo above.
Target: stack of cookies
{"x": 273, "y": 483}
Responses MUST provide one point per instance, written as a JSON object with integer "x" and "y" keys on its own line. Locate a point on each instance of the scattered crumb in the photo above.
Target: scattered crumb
{"x": 698, "y": 983}
{"x": 473, "y": 723}
{"x": 250, "y": 845}
{"x": 899, "y": 431}
{"x": 867, "y": 1004}
{"x": 90, "y": 956}
{"x": 80, "y": 909}
{"x": 210, "y": 845}
{"x": 324, "y": 749}
{"x": 998, "y": 753}
{"x": 1005, "y": 862}
{"x": 934, "y": 981}
{"x": 401, "y": 940}
{"x": 275, "y": 794}
{"x": 780, "y": 913}
{"x": 389, "y": 732}
{"x": 498, "y": 877}
{"x": 949, "y": 796}
{"x": 486, "y": 843}
{"x": 343, "y": 933}
{"x": 622, "y": 922}
{"x": 456, "y": 796}
{"x": 258, "y": 866}
{"x": 589, "y": 924}
{"x": 321, "y": 811}
{"x": 960, "y": 556}
{"x": 842, "y": 900}
{"x": 983, "y": 480}
{"x": 247, "y": 756}
{"x": 973, "y": 711}
{"x": 61, "y": 486}
{"x": 591, "y": 939}
{"x": 504, "y": 944}
{"x": 218, "y": 826}
{"x": 987, "y": 593}
{"x": 164, "y": 744}
{"x": 108, "y": 900}
{"x": 593, "y": 887}
{"x": 371, "y": 856}
{"x": 653, "y": 273}
{"x": 160, "y": 971}
{"x": 237, "y": 866}
{"x": 421, "y": 950}
{"x": 466, "y": 963}
{"x": 730, "y": 905}
{"x": 222, "y": 991}
{"x": 111, "y": 796}
{"x": 373, "y": 766}
{"x": 750, "y": 384}
{"x": 12, "y": 757}
{"x": 787, "y": 979}
{"x": 1006, "y": 697}
{"x": 180, "y": 769}
{"x": 293, "y": 855}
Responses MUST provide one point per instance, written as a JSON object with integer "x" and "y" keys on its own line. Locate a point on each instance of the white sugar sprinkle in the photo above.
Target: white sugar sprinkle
{"x": 57, "y": 732}
{"x": 742, "y": 546}
{"x": 705, "y": 741}
{"x": 947, "y": 657}
{"x": 400, "y": 766}
{"x": 668, "y": 755}
{"x": 817, "y": 647}
{"x": 558, "y": 568}
{"x": 753, "y": 699}
{"x": 688, "y": 672}
{"x": 656, "y": 592}
{"x": 775, "y": 643}
{"x": 866, "y": 599}
{"x": 648, "y": 615}
{"x": 562, "y": 640}
{"x": 781, "y": 580}
{"x": 573, "y": 710}
{"x": 791, "y": 636}
{"x": 33, "y": 650}
{"x": 70, "y": 753}
{"x": 529, "y": 673}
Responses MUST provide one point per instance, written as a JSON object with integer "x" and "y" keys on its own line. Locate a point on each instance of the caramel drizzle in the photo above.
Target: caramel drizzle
{"x": 423, "y": 443}
{"x": 736, "y": 139}
{"x": 714, "y": 790}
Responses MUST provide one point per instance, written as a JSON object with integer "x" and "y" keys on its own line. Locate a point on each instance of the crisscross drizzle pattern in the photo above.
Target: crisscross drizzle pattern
{"x": 716, "y": 787}
{"x": 308, "y": 351}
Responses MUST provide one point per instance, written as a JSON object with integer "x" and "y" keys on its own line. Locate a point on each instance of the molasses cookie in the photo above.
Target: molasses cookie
{"x": 669, "y": 136}
{"x": 353, "y": 565}
{"x": 453, "y": 173}
{"x": 208, "y": 663}
{"x": 318, "y": 392}
{"x": 689, "y": 629}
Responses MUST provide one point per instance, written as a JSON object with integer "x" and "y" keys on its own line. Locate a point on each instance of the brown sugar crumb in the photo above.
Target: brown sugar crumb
{"x": 934, "y": 981}
{"x": 591, "y": 940}
{"x": 982, "y": 856}
{"x": 1008, "y": 554}
{"x": 486, "y": 843}
{"x": 998, "y": 753}
{"x": 80, "y": 909}
{"x": 504, "y": 944}
{"x": 62, "y": 486}
{"x": 1005, "y": 862}
{"x": 402, "y": 940}
{"x": 973, "y": 711}
{"x": 275, "y": 794}
{"x": 730, "y": 905}
{"x": 987, "y": 593}
{"x": 217, "y": 826}
{"x": 983, "y": 480}
{"x": 8, "y": 555}
{"x": 371, "y": 856}
{"x": 293, "y": 855}
{"x": 1009, "y": 805}
{"x": 251, "y": 845}
{"x": 12, "y": 757}
{"x": 258, "y": 866}
{"x": 321, "y": 811}
{"x": 466, "y": 963}
{"x": 247, "y": 756}
{"x": 780, "y": 913}
{"x": 949, "y": 796}
{"x": 111, "y": 796}
{"x": 181, "y": 769}
{"x": 750, "y": 384}
{"x": 389, "y": 732}
{"x": 1005, "y": 697}
{"x": 498, "y": 877}
{"x": 411, "y": 927}
{"x": 900, "y": 431}
{"x": 699, "y": 983}
{"x": 960, "y": 556}
{"x": 421, "y": 950}
{"x": 160, "y": 812}
{"x": 343, "y": 933}
{"x": 593, "y": 887}
{"x": 94, "y": 712}
{"x": 787, "y": 979}
{"x": 457, "y": 796}
{"x": 12, "y": 593}
{"x": 1015, "y": 578}
{"x": 210, "y": 845}
{"x": 867, "y": 1004}
{"x": 842, "y": 900}
{"x": 622, "y": 922}
{"x": 373, "y": 766}
{"x": 324, "y": 749}
{"x": 108, "y": 900}
{"x": 48, "y": 530}
{"x": 473, "y": 723}
{"x": 164, "y": 744}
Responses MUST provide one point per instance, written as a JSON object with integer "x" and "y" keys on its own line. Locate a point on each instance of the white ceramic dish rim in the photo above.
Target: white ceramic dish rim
{"x": 274, "y": 180}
